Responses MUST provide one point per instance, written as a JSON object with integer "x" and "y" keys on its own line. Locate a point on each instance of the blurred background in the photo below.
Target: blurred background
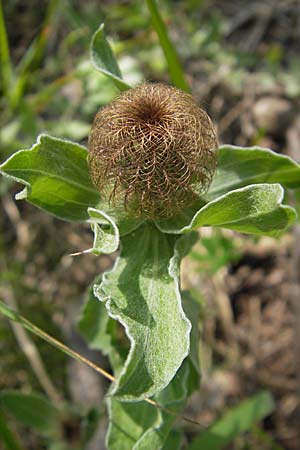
{"x": 242, "y": 60}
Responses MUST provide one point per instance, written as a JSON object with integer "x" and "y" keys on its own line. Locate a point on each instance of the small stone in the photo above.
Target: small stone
{"x": 273, "y": 114}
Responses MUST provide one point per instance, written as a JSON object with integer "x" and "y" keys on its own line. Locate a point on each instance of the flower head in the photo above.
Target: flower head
{"x": 152, "y": 150}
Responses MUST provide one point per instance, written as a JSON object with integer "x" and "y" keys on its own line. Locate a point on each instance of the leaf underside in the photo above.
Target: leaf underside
{"x": 141, "y": 426}
{"x": 138, "y": 425}
{"x": 142, "y": 293}
{"x": 56, "y": 177}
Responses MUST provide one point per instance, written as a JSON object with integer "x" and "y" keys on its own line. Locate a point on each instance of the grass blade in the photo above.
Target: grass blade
{"x": 34, "y": 54}
{"x": 5, "y": 63}
{"x": 175, "y": 68}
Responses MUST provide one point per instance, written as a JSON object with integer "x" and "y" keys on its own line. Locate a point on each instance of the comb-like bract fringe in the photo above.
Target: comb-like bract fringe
{"x": 152, "y": 151}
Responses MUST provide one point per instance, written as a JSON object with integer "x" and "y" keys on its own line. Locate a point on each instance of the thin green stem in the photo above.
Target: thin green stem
{"x": 175, "y": 68}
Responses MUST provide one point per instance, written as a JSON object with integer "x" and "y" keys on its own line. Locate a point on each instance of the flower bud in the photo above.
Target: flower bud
{"x": 152, "y": 151}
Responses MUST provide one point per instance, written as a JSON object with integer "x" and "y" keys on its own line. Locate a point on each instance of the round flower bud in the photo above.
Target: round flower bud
{"x": 152, "y": 151}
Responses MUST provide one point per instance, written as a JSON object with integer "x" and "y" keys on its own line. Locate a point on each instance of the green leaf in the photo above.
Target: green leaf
{"x": 192, "y": 311}
{"x": 120, "y": 217}
{"x": 142, "y": 293}
{"x": 100, "y": 330}
{"x": 236, "y": 421}
{"x": 238, "y": 167}
{"x": 175, "y": 68}
{"x": 141, "y": 426}
{"x": 90, "y": 425}
{"x": 215, "y": 252}
{"x": 103, "y": 59}
{"x": 7, "y": 437}
{"x": 128, "y": 422}
{"x": 254, "y": 209}
{"x": 106, "y": 232}
{"x": 56, "y": 177}
{"x": 173, "y": 397}
{"x": 32, "y": 410}
{"x": 174, "y": 440}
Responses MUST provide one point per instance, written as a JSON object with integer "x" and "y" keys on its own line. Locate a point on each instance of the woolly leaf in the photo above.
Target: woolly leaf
{"x": 141, "y": 426}
{"x": 125, "y": 223}
{"x": 132, "y": 423}
{"x": 106, "y": 232}
{"x": 104, "y": 60}
{"x": 174, "y": 440}
{"x": 254, "y": 209}
{"x": 99, "y": 330}
{"x": 239, "y": 167}
{"x": 128, "y": 422}
{"x": 142, "y": 293}
{"x": 56, "y": 177}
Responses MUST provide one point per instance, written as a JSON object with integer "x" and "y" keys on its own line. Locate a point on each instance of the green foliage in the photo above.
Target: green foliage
{"x": 106, "y": 232}
{"x": 144, "y": 428}
{"x": 5, "y": 63}
{"x": 141, "y": 292}
{"x": 236, "y": 421}
{"x": 175, "y": 69}
{"x": 56, "y": 177}
{"x": 216, "y": 252}
{"x": 100, "y": 331}
{"x": 238, "y": 167}
{"x": 32, "y": 410}
{"x": 7, "y": 437}
{"x": 254, "y": 209}
{"x": 140, "y": 426}
{"x": 104, "y": 60}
